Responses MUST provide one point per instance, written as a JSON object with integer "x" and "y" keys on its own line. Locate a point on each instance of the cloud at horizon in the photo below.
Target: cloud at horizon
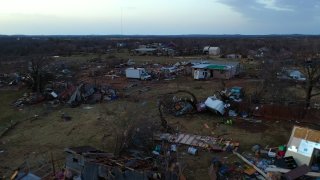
{"x": 280, "y": 16}
{"x": 159, "y": 17}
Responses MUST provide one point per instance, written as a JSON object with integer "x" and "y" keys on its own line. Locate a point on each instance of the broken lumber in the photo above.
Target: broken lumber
{"x": 194, "y": 140}
{"x": 252, "y": 165}
{"x": 282, "y": 170}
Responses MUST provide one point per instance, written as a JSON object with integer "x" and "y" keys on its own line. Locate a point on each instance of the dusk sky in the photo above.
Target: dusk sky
{"x": 159, "y": 17}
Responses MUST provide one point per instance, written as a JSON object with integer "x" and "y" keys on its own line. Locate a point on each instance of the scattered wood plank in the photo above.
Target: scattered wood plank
{"x": 190, "y": 140}
{"x": 184, "y": 140}
{"x": 250, "y": 164}
{"x": 193, "y": 140}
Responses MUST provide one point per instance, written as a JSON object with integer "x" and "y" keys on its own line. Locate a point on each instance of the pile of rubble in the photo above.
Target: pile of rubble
{"x": 96, "y": 163}
{"x": 185, "y": 102}
{"x": 13, "y": 80}
{"x": 64, "y": 93}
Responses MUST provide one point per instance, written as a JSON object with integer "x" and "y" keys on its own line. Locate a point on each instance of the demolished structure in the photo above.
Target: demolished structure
{"x": 86, "y": 162}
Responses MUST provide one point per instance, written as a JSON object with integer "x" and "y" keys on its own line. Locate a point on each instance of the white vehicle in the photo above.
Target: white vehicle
{"x": 137, "y": 73}
{"x": 297, "y": 75}
{"x": 299, "y": 78}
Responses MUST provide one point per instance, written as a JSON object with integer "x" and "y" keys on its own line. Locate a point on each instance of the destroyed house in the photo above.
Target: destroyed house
{"x": 89, "y": 163}
{"x": 216, "y": 69}
{"x": 304, "y": 146}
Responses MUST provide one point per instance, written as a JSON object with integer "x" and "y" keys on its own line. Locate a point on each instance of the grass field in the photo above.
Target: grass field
{"x": 8, "y": 113}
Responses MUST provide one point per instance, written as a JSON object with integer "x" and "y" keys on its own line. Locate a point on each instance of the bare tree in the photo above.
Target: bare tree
{"x": 311, "y": 69}
{"x": 270, "y": 84}
{"x": 38, "y": 72}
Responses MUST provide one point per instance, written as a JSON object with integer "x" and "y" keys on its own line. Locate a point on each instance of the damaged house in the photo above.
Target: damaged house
{"x": 216, "y": 69}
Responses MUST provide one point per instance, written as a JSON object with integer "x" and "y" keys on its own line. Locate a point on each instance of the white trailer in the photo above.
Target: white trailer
{"x": 137, "y": 73}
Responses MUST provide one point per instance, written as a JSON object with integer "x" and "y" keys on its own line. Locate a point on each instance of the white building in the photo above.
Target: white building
{"x": 211, "y": 50}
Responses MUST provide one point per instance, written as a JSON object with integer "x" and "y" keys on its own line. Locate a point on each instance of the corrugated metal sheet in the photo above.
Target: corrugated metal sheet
{"x": 218, "y": 67}
{"x": 200, "y": 66}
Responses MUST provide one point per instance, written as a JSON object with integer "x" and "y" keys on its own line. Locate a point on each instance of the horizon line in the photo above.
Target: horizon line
{"x": 274, "y": 34}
